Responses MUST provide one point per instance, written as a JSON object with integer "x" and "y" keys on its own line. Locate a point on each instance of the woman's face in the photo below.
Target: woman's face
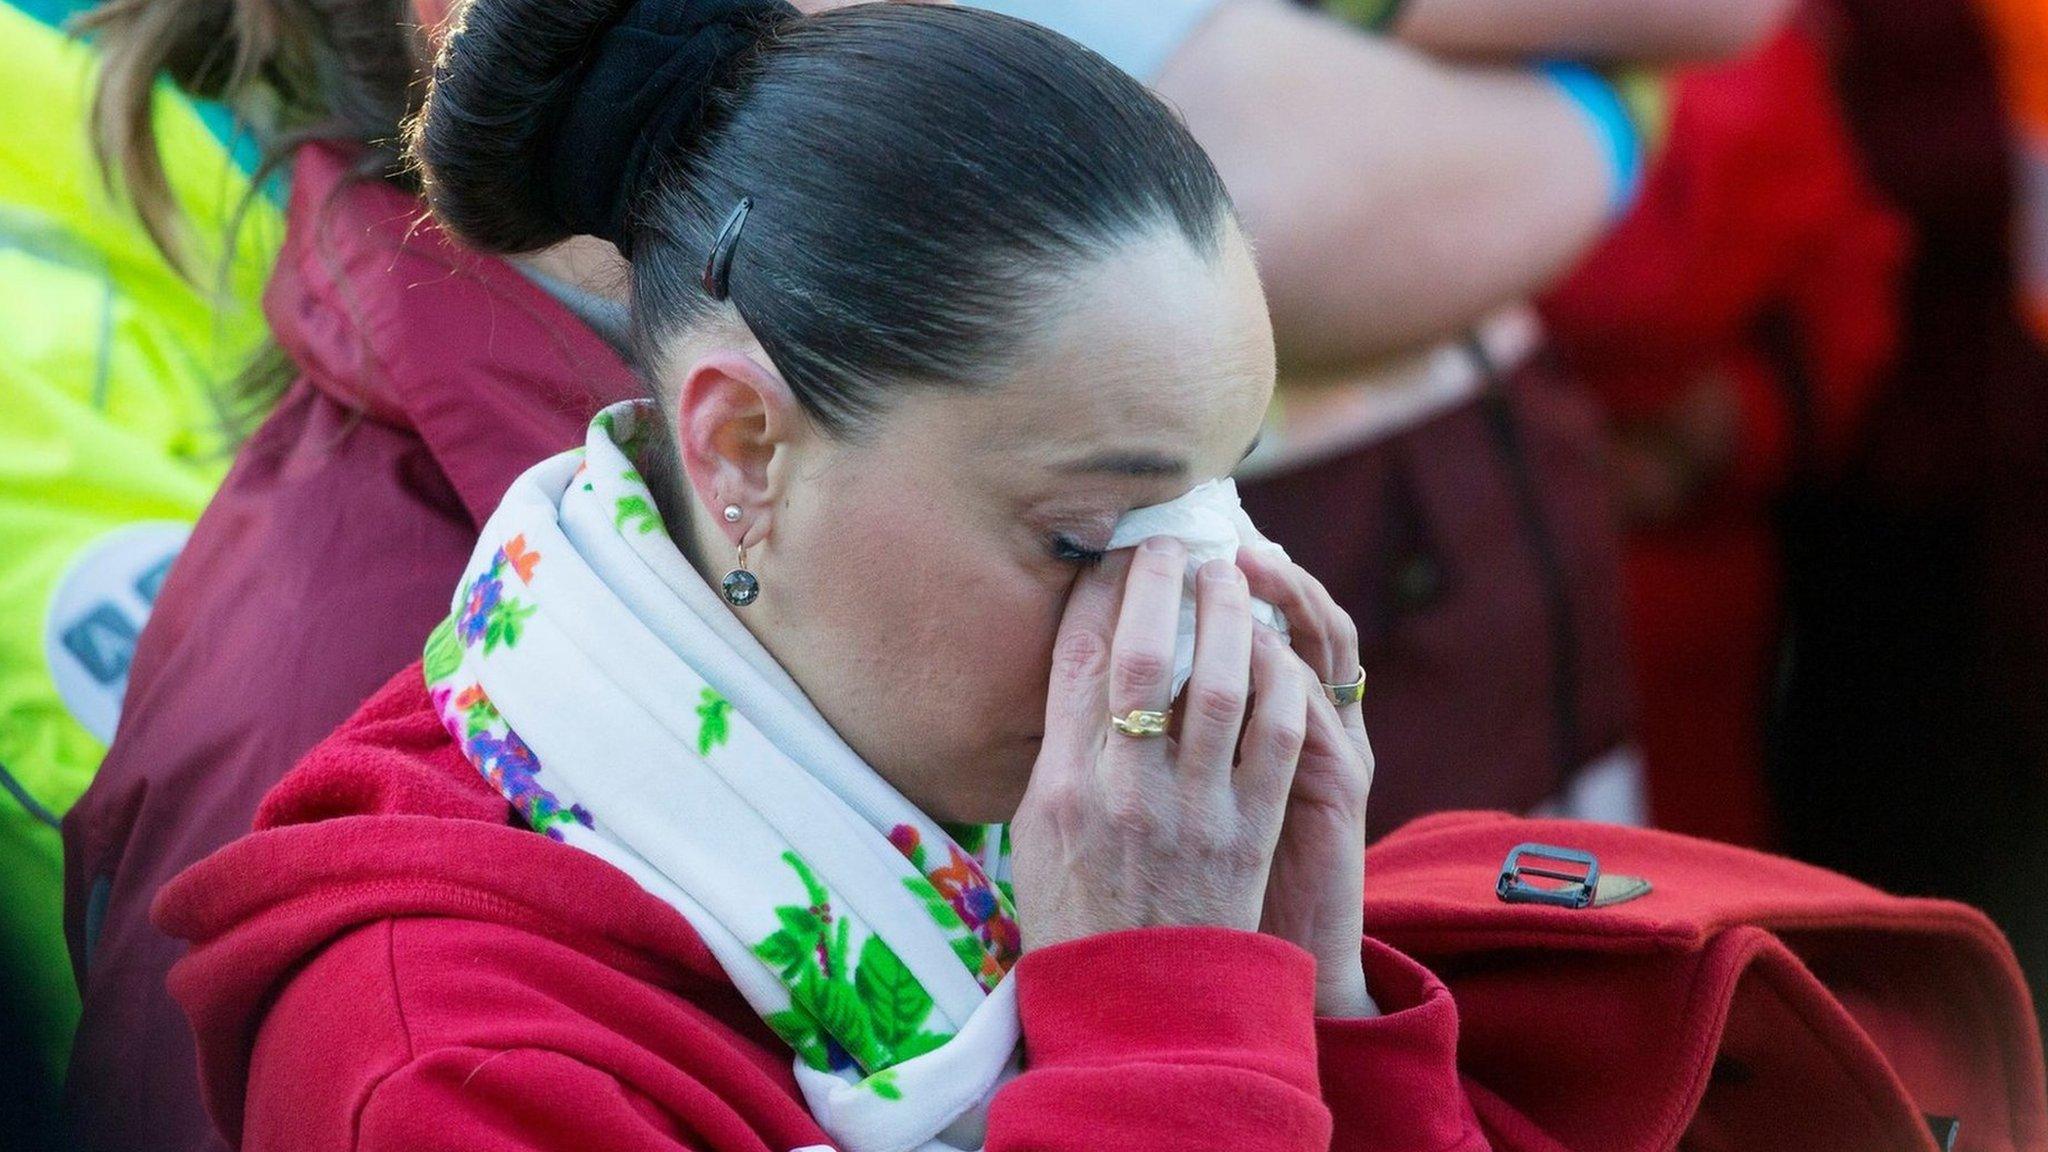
{"x": 912, "y": 581}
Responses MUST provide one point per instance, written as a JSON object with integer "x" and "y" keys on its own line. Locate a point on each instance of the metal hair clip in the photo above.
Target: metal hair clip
{"x": 718, "y": 269}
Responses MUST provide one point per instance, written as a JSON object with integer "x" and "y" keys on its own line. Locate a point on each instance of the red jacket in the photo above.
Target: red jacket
{"x": 429, "y": 379}
{"x": 390, "y": 962}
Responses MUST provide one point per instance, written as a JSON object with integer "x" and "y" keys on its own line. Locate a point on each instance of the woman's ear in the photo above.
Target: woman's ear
{"x": 733, "y": 418}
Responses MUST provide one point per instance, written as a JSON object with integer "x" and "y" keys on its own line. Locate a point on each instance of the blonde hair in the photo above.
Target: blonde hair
{"x": 289, "y": 71}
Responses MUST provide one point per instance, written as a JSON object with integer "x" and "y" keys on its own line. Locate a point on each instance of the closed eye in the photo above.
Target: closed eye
{"x": 1067, "y": 550}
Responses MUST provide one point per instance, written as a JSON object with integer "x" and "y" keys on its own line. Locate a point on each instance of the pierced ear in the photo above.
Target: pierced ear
{"x": 732, "y": 416}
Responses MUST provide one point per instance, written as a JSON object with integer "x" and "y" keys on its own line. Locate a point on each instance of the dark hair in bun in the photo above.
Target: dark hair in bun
{"x": 921, "y": 176}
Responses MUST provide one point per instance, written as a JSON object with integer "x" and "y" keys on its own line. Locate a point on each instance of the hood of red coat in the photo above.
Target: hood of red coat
{"x": 383, "y": 312}
{"x": 386, "y": 819}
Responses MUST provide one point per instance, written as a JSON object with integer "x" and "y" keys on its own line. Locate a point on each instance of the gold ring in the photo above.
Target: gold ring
{"x": 1141, "y": 723}
{"x": 1342, "y": 694}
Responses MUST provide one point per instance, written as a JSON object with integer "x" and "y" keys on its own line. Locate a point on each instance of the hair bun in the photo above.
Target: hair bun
{"x": 644, "y": 86}
{"x": 547, "y": 116}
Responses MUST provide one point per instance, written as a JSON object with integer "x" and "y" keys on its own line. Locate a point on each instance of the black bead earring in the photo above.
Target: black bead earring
{"x": 740, "y": 586}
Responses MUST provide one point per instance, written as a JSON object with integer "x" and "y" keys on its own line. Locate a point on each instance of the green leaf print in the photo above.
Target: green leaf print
{"x": 839, "y": 951}
{"x": 803, "y": 1037}
{"x": 883, "y": 1084}
{"x": 637, "y": 510}
{"x": 870, "y": 1005}
{"x": 840, "y": 1012}
{"x": 935, "y": 905}
{"x": 813, "y": 887}
{"x": 714, "y": 727}
{"x": 897, "y": 1004}
{"x": 784, "y": 953}
{"x": 914, "y": 1046}
{"x": 970, "y": 837}
{"x": 444, "y": 652}
{"x": 970, "y": 952}
{"x": 802, "y": 924}
{"x": 480, "y": 715}
{"x": 507, "y": 617}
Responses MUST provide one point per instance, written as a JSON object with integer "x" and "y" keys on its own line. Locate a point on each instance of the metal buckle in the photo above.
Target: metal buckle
{"x": 1578, "y": 887}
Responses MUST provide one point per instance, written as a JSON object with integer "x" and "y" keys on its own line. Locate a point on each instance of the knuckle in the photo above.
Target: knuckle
{"x": 1215, "y": 704}
{"x": 1347, "y": 632}
{"x": 1244, "y": 854}
{"x": 1282, "y": 740}
{"x": 1140, "y": 670}
{"x": 1080, "y": 653}
{"x": 1223, "y": 846}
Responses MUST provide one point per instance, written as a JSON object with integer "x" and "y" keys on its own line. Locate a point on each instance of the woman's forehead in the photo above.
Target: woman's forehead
{"x": 1163, "y": 349}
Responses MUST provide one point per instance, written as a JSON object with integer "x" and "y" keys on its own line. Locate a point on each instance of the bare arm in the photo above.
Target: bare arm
{"x": 1393, "y": 200}
{"x": 1599, "y": 30}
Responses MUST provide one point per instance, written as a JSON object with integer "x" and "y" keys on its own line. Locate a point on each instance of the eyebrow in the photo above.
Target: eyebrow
{"x": 1145, "y": 464}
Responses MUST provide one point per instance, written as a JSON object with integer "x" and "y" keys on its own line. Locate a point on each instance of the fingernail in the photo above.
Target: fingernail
{"x": 1269, "y": 638}
{"x": 1221, "y": 572}
{"x": 1160, "y": 546}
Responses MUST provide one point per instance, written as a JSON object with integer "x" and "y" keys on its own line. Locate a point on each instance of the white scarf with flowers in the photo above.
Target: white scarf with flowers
{"x": 595, "y": 678}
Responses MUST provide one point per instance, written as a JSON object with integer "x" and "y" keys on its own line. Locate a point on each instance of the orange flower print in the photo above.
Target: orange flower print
{"x": 522, "y": 559}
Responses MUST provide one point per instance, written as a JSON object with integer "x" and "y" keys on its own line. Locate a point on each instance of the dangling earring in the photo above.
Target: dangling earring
{"x": 741, "y": 587}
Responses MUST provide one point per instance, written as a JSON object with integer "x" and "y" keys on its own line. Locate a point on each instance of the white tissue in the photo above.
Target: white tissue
{"x": 1211, "y": 522}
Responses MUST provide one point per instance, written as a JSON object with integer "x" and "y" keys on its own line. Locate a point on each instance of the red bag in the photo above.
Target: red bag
{"x": 1708, "y": 997}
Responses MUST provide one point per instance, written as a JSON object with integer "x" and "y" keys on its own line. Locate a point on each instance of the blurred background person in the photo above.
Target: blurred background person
{"x": 1913, "y": 747}
{"x": 1732, "y": 327}
{"x": 110, "y": 362}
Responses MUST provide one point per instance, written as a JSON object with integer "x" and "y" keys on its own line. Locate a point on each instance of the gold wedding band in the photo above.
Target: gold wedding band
{"x": 1342, "y": 694}
{"x": 1141, "y": 723}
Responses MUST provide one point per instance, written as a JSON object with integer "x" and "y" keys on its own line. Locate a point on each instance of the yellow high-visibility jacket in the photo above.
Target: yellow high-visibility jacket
{"x": 110, "y": 446}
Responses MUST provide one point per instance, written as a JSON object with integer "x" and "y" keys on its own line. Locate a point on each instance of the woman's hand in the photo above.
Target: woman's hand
{"x": 1120, "y": 832}
{"x": 1315, "y": 896}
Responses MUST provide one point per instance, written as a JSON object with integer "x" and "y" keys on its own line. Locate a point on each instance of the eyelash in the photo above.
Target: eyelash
{"x": 1067, "y": 551}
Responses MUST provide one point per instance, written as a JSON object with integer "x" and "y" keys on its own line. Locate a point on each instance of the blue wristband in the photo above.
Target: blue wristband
{"x": 1621, "y": 141}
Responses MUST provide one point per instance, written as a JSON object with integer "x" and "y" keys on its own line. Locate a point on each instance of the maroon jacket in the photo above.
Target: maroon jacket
{"x": 429, "y": 379}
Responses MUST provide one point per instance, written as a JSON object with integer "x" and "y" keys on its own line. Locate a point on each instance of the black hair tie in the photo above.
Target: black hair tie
{"x": 636, "y": 98}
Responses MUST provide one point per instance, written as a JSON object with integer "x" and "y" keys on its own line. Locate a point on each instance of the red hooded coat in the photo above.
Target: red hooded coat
{"x": 392, "y": 962}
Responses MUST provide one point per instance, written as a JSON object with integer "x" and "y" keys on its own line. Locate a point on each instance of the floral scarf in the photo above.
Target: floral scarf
{"x": 592, "y": 676}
